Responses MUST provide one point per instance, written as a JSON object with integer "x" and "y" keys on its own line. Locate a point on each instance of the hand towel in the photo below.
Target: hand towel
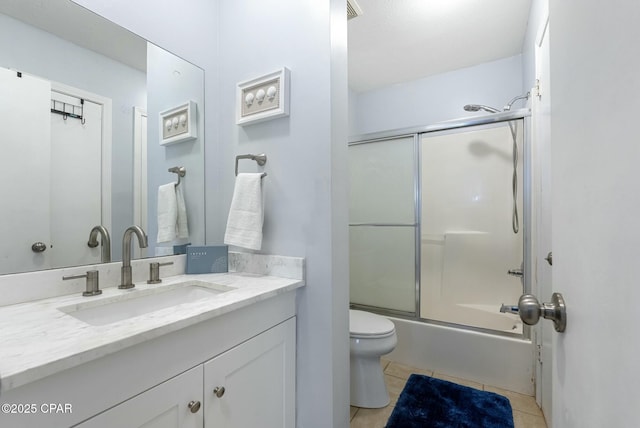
{"x": 182, "y": 227}
{"x": 244, "y": 225}
{"x": 167, "y": 212}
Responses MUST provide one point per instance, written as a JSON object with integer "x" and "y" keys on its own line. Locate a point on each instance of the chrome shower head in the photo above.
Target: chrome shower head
{"x": 478, "y": 107}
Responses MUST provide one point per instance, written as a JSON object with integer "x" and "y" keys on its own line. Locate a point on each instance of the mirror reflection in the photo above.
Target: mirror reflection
{"x": 80, "y": 101}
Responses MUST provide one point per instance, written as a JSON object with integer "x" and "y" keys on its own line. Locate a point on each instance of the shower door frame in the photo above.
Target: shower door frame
{"x": 416, "y": 133}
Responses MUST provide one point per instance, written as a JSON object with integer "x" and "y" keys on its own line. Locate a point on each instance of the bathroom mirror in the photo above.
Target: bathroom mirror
{"x": 80, "y": 99}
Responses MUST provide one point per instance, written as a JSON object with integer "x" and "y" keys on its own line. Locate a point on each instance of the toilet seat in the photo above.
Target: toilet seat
{"x": 367, "y": 325}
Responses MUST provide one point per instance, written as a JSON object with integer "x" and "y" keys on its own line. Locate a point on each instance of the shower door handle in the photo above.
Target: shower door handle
{"x": 530, "y": 311}
{"x": 515, "y": 272}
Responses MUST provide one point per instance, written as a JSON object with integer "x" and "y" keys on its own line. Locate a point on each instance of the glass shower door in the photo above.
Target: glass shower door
{"x": 468, "y": 243}
{"x": 382, "y": 224}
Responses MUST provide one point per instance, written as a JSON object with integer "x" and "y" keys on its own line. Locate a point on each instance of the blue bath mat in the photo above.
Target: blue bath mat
{"x": 427, "y": 402}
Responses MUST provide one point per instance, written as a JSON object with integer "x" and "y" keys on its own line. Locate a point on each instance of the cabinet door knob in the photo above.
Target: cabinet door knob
{"x": 194, "y": 406}
{"x": 219, "y": 391}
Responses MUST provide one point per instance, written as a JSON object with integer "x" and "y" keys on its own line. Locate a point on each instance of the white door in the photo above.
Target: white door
{"x": 595, "y": 70}
{"x": 76, "y": 182}
{"x": 253, "y": 384}
{"x": 541, "y": 110}
{"x": 176, "y": 403}
{"x": 24, "y": 161}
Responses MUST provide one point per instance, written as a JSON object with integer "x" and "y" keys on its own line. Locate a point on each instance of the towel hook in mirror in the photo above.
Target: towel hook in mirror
{"x": 261, "y": 159}
{"x": 180, "y": 170}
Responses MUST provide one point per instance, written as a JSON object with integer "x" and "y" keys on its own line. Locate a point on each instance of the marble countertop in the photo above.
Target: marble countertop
{"x": 37, "y": 339}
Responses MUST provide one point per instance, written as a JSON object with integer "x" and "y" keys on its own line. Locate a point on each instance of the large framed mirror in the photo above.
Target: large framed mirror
{"x": 80, "y": 101}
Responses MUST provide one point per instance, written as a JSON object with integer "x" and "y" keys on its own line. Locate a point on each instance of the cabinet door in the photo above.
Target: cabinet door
{"x": 258, "y": 377}
{"x": 163, "y": 406}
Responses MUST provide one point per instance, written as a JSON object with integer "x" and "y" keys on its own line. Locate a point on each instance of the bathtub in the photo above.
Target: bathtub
{"x": 501, "y": 361}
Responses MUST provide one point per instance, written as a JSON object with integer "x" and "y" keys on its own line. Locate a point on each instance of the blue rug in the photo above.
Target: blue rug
{"x": 427, "y": 402}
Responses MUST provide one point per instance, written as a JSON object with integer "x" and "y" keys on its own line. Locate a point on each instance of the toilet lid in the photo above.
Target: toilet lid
{"x": 363, "y": 323}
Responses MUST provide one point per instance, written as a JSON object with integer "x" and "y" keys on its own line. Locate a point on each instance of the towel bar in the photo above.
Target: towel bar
{"x": 261, "y": 159}
{"x": 180, "y": 170}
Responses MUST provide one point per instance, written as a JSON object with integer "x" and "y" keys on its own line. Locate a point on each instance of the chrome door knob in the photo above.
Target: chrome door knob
{"x": 38, "y": 247}
{"x": 194, "y": 406}
{"x": 530, "y": 310}
{"x": 219, "y": 391}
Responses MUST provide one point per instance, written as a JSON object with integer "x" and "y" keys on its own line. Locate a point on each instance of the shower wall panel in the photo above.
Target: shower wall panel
{"x": 467, "y": 241}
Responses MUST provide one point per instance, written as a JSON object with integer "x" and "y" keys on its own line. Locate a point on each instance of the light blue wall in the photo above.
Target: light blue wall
{"x": 436, "y": 98}
{"x": 33, "y": 51}
{"x": 171, "y": 81}
{"x": 305, "y": 191}
{"x": 306, "y": 201}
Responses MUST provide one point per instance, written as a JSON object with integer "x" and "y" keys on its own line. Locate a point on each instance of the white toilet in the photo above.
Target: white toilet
{"x": 371, "y": 336}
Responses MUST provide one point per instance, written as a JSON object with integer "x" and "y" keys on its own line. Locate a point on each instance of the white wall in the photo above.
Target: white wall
{"x": 537, "y": 13}
{"x": 39, "y": 53}
{"x": 595, "y": 86}
{"x": 306, "y": 204}
{"x": 436, "y": 98}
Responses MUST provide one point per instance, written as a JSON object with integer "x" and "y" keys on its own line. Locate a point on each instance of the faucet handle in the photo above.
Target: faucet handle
{"x": 93, "y": 282}
{"x": 154, "y": 272}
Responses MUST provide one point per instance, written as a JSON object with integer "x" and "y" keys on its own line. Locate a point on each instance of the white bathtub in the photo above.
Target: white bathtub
{"x": 499, "y": 361}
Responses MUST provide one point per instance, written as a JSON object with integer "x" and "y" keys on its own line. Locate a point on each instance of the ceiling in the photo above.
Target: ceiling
{"x": 396, "y": 41}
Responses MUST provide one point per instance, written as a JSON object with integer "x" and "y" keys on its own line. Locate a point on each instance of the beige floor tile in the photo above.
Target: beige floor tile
{"x": 458, "y": 380}
{"x": 384, "y": 363}
{"x": 371, "y": 418}
{"x": 403, "y": 372}
{"x": 352, "y": 412}
{"x": 526, "y": 420}
{"x": 521, "y": 402}
{"x": 395, "y": 386}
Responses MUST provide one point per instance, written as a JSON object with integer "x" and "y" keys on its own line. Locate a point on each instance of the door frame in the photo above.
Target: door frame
{"x": 140, "y": 190}
{"x": 541, "y": 236}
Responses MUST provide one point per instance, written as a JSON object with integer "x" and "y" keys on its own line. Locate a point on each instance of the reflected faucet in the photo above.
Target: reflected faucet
{"x": 125, "y": 270}
{"x": 105, "y": 240}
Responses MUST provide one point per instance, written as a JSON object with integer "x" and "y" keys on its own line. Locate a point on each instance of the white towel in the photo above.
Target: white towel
{"x": 182, "y": 227}
{"x": 244, "y": 225}
{"x": 172, "y": 213}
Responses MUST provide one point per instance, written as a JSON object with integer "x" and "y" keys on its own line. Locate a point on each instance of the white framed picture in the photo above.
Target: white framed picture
{"x": 179, "y": 124}
{"x": 263, "y": 98}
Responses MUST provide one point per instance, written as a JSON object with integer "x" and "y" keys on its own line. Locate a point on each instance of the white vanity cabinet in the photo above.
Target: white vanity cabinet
{"x": 250, "y": 351}
{"x": 167, "y": 405}
{"x": 253, "y": 384}
{"x": 250, "y": 385}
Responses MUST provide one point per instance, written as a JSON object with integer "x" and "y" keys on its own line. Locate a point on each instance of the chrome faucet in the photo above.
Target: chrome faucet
{"x": 125, "y": 271}
{"x": 104, "y": 238}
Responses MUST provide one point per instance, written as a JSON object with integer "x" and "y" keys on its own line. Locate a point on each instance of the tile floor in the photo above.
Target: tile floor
{"x": 526, "y": 413}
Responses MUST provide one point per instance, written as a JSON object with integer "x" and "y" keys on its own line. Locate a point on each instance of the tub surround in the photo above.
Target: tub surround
{"x": 39, "y": 340}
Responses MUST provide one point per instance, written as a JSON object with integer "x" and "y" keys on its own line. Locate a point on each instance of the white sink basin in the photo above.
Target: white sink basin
{"x": 140, "y": 302}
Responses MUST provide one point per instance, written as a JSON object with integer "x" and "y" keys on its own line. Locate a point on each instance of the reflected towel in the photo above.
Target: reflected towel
{"x": 167, "y": 212}
{"x": 244, "y": 225}
{"x": 182, "y": 227}
{"x": 172, "y": 213}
